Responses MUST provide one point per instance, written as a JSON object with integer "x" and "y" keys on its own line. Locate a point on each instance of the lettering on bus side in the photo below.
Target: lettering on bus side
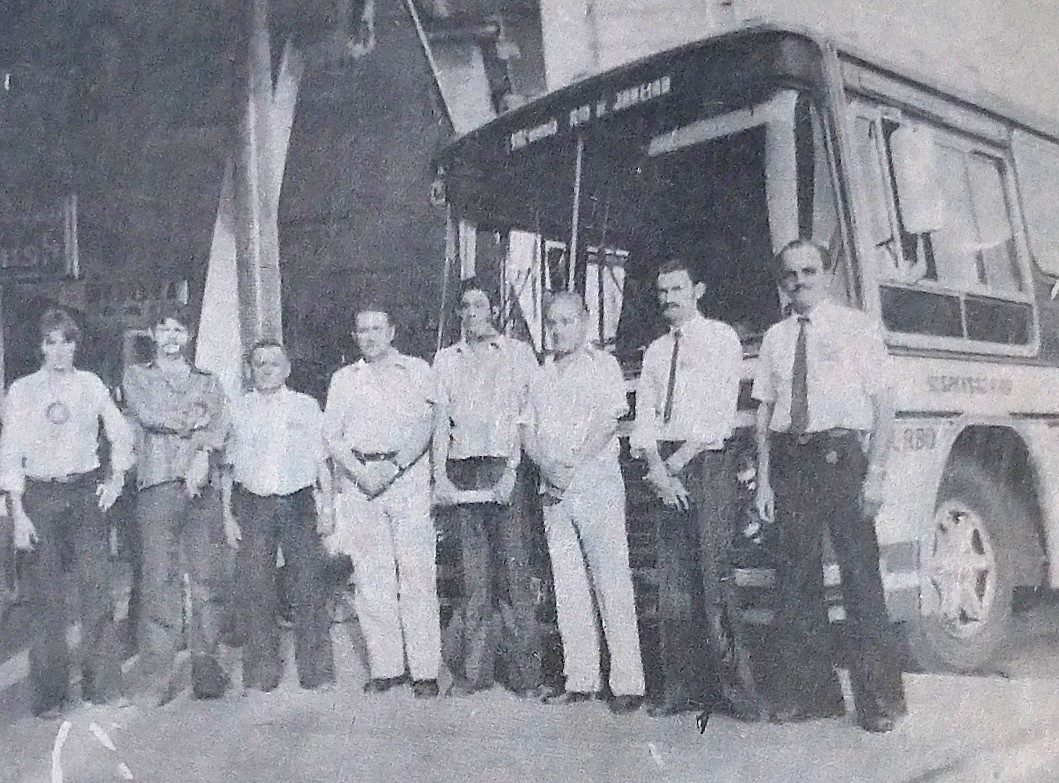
{"x": 968, "y": 384}
{"x": 523, "y": 136}
{"x": 916, "y": 438}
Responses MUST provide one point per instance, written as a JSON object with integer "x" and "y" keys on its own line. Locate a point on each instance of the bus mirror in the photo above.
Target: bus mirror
{"x": 916, "y": 171}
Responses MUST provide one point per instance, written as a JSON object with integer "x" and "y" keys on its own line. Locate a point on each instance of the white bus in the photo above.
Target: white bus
{"x": 941, "y": 214}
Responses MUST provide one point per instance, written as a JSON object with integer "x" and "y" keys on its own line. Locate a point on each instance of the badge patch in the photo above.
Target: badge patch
{"x": 57, "y": 413}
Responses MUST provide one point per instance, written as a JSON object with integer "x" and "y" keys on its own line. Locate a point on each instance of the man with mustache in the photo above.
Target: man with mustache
{"x": 183, "y": 421}
{"x": 685, "y": 411}
{"x": 824, "y": 387}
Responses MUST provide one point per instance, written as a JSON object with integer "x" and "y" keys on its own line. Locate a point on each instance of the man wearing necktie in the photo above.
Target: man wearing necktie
{"x": 685, "y": 410}
{"x": 824, "y": 388}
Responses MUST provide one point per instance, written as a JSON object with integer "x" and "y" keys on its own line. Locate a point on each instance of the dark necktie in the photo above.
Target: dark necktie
{"x": 800, "y": 381}
{"x": 667, "y": 412}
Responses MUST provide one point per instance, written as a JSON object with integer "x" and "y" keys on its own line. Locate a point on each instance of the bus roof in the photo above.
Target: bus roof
{"x": 531, "y": 121}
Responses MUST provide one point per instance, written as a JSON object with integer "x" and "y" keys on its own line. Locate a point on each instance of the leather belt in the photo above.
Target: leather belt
{"x": 374, "y": 456}
{"x": 67, "y": 478}
{"x": 808, "y": 438}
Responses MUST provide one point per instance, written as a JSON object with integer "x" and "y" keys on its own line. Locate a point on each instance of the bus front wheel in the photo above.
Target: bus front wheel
{"x": 966, "y": 573}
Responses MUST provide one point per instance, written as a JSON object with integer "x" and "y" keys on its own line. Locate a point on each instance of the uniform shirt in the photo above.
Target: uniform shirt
{"x": 482, "y": 389}
{"x": 162, "y": 407}
{"x": 564, "y": 395}
{"x": 51, "y": 427}
{"x": 846, "y": 362}
{"x": 371, "y": 405}
{"x": 709, "y": 367}
{"x": 276, "y": 442}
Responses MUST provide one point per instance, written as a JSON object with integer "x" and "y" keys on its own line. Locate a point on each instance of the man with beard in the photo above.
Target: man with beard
{"x": 482, "y": 383}
{"x": 685, "y": 411}
{"x": 824, "y": 387}
{"x": 183, "y": 419}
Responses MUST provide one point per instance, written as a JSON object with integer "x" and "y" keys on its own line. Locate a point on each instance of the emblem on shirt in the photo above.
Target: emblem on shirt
{"x": 57, "y": 413}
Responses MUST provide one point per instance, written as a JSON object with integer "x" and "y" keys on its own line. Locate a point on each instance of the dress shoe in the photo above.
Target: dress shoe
{"x": 623, "y": 705}
{"x": 669, "y": 708}
{"x": 461, "y": 688}
{"x": 880, "y": 724}
{"x": 208, "y": 680}
{"x": 383, "y": 684}
{"x": 425, "y": 689}
{"x": 568, "y": 697}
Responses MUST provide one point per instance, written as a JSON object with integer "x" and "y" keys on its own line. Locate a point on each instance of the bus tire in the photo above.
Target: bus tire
{"x": 966, "y": 573}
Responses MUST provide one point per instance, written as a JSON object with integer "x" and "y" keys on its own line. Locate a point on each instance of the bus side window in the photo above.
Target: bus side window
{"x": 1037, "y": 166}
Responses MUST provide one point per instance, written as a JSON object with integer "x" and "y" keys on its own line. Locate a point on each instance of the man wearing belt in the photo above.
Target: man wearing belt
{"x": 50, "y": 469}
{"x": 275, "y": 456}
{"x": 378, "y": 420}
{"x": 482, "y": 383}
{"x": 823, "y": 384}
{"x": 183, "y": 420}
{"x": 685, "y": 409}
{"x": 570, "y": 431}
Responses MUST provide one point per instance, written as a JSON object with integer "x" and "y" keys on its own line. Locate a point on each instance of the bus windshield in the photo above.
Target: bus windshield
{"x": 723, "y": 189}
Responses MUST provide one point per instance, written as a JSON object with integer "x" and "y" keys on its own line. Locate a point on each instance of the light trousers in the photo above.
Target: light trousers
{"x": 392, "y": 544}
{"x": 589, "y": 550}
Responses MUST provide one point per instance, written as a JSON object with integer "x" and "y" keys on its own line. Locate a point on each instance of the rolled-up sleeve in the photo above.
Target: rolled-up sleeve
{"x": 334, "y": 412}
{"x": 874, "y": 366}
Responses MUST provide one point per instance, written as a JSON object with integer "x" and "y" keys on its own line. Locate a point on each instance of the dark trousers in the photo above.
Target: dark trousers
{"x": 178, "y": 535}
{"x": 817, "y": 485}
{"x": 267, "y": 523}
{"x": 701, "y": 657}
{"x": 498, "y": 593}
{"x": 70, "y": 528}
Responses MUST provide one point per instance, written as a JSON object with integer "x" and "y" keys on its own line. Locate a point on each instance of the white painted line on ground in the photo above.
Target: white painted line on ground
{"x": 57, "y": 752}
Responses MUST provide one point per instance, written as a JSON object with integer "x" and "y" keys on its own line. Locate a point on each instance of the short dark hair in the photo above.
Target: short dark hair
{"x": 265, "y": 342}
{"x": 677, "y": 264}
{"x": 798, "y": 244}
{"x": 175, "y": 311}
{"x": 565, "y": 296}
{"x": 474, "y": 284}
{"x": 59, "y": 319}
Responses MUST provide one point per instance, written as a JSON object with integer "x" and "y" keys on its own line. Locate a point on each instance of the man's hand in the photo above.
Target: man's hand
{"x": 872, "y": 493}
{"x": 197, "y": 473}
{"x": 505, "y": 487}
{"x": 765, "y": 500}
{"x": 325, "y": 512}
{"x": 669, "y": 489}
{"x": 674, "y": 465}
{"x": 377, "y": 476}
{"x": 445, "y": 491}
{"x": 232, "y": 534}
{"x": 25, "y": 532}
{"x": 109, "y": 491}
{"x": 558, "y": 472}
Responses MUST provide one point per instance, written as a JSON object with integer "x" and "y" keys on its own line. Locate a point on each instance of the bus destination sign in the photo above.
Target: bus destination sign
{"x": 593, "y": 109}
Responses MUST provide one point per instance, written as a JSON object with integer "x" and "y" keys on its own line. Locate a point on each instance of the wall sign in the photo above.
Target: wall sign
{"x": 41, "y": 243}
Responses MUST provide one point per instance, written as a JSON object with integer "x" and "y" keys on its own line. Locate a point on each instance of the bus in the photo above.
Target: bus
{"x": 940, "y": 212}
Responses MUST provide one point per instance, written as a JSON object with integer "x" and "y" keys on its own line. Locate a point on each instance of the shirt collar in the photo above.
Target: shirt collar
{"x": 394, "y": 357}
{"x": 463, "y": 346}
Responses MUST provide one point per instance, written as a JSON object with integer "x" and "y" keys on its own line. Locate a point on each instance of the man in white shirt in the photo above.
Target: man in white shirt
{"x": 378, "y": 420}
{"x": 685, "y": 410}
{"x": 275, "y": 457}
{"x": 482, "y": 384}
{"x": 570, "y": 431}
{"x": 49, "y": 465}
{"x": 824, "y": 386}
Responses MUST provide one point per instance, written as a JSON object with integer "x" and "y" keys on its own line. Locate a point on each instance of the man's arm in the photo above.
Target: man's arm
{"x": 147, "y": 408}
{"x": 12, "y": 469}
{"x": 120, "y": 436}
{"x": 213, "y": 432}
{"x": 764, "y": 499}
{"x": 874, "y": 493}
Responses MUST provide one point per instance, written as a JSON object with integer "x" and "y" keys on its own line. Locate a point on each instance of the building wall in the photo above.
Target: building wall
{"x": 356, "y": 218}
